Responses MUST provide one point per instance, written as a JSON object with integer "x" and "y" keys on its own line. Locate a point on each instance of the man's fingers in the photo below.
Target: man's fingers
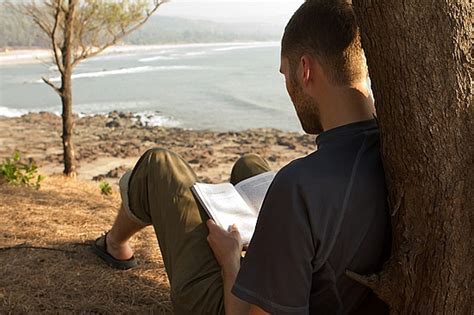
{"x": 212, "y": 226}
{"x": 232, "y": 228}
{"x": 217, "y": 231}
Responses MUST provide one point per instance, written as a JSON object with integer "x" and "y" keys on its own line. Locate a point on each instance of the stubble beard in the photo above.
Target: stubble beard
{"x": 307, "y": 109}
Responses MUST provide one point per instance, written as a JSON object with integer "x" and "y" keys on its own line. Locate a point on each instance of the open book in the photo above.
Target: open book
{"x": 240, "y": 204}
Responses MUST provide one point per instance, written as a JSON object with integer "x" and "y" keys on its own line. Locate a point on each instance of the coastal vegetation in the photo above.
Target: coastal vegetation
{"x": 105, "y": 188}
{"x": 15, "y": 171}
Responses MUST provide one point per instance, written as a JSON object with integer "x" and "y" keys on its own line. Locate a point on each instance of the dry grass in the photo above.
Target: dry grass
{"x": 61, "y": 274}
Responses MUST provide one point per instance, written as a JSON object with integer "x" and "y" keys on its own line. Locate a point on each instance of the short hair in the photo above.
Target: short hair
{"x": 327, "y": 30}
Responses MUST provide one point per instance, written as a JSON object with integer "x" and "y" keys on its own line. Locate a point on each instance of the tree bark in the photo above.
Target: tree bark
{"x": 68, "y": 124}
{"x": 420, "y": 64}
{"x": 66, "y": 90}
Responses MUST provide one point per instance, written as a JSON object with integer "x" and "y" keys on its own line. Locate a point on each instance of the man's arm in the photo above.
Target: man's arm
{"x": 227, "y": 248}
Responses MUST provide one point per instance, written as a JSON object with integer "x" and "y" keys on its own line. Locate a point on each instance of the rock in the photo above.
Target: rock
{"x": 98, "y": 178}
{"x": 117, "y": 172}
{"x": 286, "y": 143}
{"x": 194, "y": 161}
{"x": 272, "y": 158}
{"x": 112, "y": 124}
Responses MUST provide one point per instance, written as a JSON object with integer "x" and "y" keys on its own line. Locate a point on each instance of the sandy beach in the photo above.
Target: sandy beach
{"x": 107, "y": 145}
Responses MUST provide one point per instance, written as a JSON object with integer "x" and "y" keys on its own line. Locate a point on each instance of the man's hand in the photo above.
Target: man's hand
{"x": 226, "y": 245}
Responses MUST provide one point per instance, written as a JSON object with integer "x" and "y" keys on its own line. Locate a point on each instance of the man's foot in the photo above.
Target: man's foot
{"x": 100, "y": 248}
{"x": 116, "y": 250}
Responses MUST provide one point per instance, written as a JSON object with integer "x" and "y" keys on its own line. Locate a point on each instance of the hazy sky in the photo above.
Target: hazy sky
{"x": 273, "y": 11}
{"x": 269, "y": 11}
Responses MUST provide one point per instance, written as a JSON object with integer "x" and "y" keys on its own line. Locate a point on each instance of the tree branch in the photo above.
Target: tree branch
{"x": 37, "y": 19}
{"x": 123, "y": 33}
{"x": 56, "y": 49}
{"x": 370, "y": 281}
{"x": 54, "y": 87}
{"x": 381, "y": 283}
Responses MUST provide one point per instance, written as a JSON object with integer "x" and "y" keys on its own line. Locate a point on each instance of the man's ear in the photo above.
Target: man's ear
{"x": 313, "y": 77}
{"x": 307, "y": 65}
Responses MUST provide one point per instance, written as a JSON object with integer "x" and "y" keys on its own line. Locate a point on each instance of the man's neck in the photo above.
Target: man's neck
{"x": 344, "y": 105}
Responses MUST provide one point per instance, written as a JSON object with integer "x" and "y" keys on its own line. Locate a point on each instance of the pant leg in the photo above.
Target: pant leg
{"x": 247, "y": 166}
{"x": 159, "y": 194}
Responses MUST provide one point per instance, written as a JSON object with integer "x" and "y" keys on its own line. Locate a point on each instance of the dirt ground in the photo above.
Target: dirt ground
{"x": 47, "y": 263}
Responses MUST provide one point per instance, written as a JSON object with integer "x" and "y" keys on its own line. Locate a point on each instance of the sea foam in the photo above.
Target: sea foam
{"x": 11, "y": 112}
{"x": 105, "y": 73}
{"x": 154, "y": 119}
{"x": 156, "y": 58}
{"x": 248, "y": 46}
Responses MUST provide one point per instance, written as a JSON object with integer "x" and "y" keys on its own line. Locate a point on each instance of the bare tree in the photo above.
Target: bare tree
{"x": 420, "y": 60}
{"x": 81, "y": 29}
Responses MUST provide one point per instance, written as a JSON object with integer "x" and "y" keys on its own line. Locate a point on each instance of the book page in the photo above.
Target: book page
{"x": 226, "y": 207}
{"x": 254, "y": 189}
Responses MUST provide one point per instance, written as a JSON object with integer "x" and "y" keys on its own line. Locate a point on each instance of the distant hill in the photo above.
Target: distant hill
{"x": 17, "y": 30}
{"x": 164, "y": 29}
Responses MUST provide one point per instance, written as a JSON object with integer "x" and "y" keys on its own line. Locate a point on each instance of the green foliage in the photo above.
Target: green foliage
{"x": 105, "y": 188}
{"x": 15, "y": 172}
{"x": 99, "y": 22}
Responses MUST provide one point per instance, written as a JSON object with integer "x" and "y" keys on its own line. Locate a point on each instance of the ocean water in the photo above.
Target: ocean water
{"x": 231, "y": 86}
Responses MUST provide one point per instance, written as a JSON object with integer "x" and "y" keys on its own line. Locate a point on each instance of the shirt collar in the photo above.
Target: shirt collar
{"x": 344, "y": 130}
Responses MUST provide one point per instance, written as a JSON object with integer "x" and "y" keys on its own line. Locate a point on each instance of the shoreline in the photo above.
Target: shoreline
{"x": 146, "y": 119}
{"x": 22, "y": 56}
{"x": 108, "y": 145}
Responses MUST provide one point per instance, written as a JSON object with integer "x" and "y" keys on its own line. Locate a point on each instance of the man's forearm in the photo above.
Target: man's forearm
{"x": 233, "y": 305}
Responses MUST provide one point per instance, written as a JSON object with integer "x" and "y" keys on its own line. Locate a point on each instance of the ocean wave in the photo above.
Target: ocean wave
{"x": 156, "y": 119}
{"x": 11, "y": 112}
{"x": 209, "y": 49}
{"x": 196, "y": 53}
{"x": 133, "y": 70}
{"x": 173, "y": 56}
{"x": 247, "y": 46}
{"x": 148, "y": 59}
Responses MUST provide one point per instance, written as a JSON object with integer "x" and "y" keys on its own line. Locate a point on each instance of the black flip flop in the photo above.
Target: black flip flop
{"x": 100, "y": 249}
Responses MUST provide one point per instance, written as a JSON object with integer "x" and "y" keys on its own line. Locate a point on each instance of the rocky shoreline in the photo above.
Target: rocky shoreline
{"x": 107, "y": 145}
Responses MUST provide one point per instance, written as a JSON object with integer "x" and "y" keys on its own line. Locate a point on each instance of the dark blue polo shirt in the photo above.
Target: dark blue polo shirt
{"x": 323, "y": 214}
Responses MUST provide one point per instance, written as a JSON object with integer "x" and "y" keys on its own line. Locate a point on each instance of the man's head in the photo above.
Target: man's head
{"x": 320, "y": 48}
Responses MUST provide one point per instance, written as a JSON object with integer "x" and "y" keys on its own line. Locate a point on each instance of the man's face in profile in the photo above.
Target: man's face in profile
{"x": 306, "y": 107}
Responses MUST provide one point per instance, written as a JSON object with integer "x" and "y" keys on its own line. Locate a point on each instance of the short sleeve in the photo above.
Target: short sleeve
{"x": 276, "y": 272}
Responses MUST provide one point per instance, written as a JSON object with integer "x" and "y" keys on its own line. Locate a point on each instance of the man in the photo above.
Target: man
{"x": 323, "y": 214}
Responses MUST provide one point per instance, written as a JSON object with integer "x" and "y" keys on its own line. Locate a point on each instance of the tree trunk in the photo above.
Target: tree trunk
{"x": 66, "y": 91}
{"x": 68, "y": 123}
{"x": 418, "y": 53}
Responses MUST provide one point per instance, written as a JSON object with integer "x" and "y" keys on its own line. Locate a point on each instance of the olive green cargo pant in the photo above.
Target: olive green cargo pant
{"x": 157, "y": 192}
